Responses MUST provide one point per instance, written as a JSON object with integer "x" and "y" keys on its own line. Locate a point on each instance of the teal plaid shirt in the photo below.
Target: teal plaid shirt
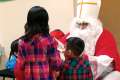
{"x": 76, "y": 69}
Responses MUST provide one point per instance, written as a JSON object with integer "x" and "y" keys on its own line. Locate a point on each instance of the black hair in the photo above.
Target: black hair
{"x": 76, "y": 45}
{"x": 37, "y": 22}
{"x": 14, "y": 47}
{"x": 26, "y": 28}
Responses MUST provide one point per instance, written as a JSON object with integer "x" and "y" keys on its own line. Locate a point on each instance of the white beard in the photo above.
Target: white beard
{"x": 89, "y": 35}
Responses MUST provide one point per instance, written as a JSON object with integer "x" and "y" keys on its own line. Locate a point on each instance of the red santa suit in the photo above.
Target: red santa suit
{"x": 106, "y": 45}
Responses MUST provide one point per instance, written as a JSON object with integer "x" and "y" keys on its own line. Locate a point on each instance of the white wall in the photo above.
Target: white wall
{"x": 13, "y": 17}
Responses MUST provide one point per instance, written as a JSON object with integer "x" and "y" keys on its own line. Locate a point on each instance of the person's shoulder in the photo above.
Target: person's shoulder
{"x": 22, "y": 42}
{"x": 106, "y": 31}
{"x": 85, "y": 56}
{"x": 85, "y": 59}
{"x": 48, "y": 40}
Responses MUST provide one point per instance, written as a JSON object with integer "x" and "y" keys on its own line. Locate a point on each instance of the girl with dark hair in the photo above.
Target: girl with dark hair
{"x": 37, "y": 22}
{"x": 38, "y": 56}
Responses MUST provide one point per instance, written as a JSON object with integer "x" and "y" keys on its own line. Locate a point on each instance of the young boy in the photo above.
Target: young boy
{"x": 76, "y": 65}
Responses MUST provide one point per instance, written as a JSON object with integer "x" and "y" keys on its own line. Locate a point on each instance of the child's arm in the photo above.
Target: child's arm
{"x": 88, "y": 70}
{"x": 18, "y": 70}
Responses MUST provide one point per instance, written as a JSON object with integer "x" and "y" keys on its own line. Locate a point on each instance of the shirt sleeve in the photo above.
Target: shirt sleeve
{"x": 88, "y": 71}
{"x": 106, "y": 45}
{"x": 18, "y": 70}
{"x": 54, "y": 56}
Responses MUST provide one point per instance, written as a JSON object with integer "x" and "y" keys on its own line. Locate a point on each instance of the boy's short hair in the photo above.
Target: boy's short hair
{"x": 76, "y": 45}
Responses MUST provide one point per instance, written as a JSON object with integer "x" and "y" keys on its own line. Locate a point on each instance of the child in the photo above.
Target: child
{"x": 38, "y": 56}
{"x": 13, "y": 55}
{"x": 14, "y": 50}
{"x": 76, "y": 65}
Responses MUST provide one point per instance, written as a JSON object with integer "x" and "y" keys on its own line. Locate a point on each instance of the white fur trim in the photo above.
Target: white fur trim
{"x": 115, "y": 75}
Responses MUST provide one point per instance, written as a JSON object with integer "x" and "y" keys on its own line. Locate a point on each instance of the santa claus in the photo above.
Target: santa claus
{"x": 100, "y": 44}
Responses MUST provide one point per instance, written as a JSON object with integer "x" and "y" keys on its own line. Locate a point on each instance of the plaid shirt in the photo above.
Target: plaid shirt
{"x": 76, "y": 69}
{"x": 37, "y": 58}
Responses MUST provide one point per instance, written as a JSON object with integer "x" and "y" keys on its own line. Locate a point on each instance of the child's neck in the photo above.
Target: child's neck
{"x": 76, "y": 57}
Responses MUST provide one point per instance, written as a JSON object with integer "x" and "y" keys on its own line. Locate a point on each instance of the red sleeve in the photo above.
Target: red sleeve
{"x": 64, "y": 38}
{"x": 106, "y": 45}
{"x": 18, "y": 70}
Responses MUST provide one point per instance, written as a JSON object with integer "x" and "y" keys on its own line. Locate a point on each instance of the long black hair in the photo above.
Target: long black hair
{"x": 14, "y": 47}
{"x": 37, "y": 22}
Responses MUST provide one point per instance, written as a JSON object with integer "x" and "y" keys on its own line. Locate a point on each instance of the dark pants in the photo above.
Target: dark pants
{"x": 7, "y": 73}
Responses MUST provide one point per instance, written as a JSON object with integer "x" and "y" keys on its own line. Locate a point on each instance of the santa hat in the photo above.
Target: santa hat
{"x": 88, "y": 8}
{"x": 57, "y": 33}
